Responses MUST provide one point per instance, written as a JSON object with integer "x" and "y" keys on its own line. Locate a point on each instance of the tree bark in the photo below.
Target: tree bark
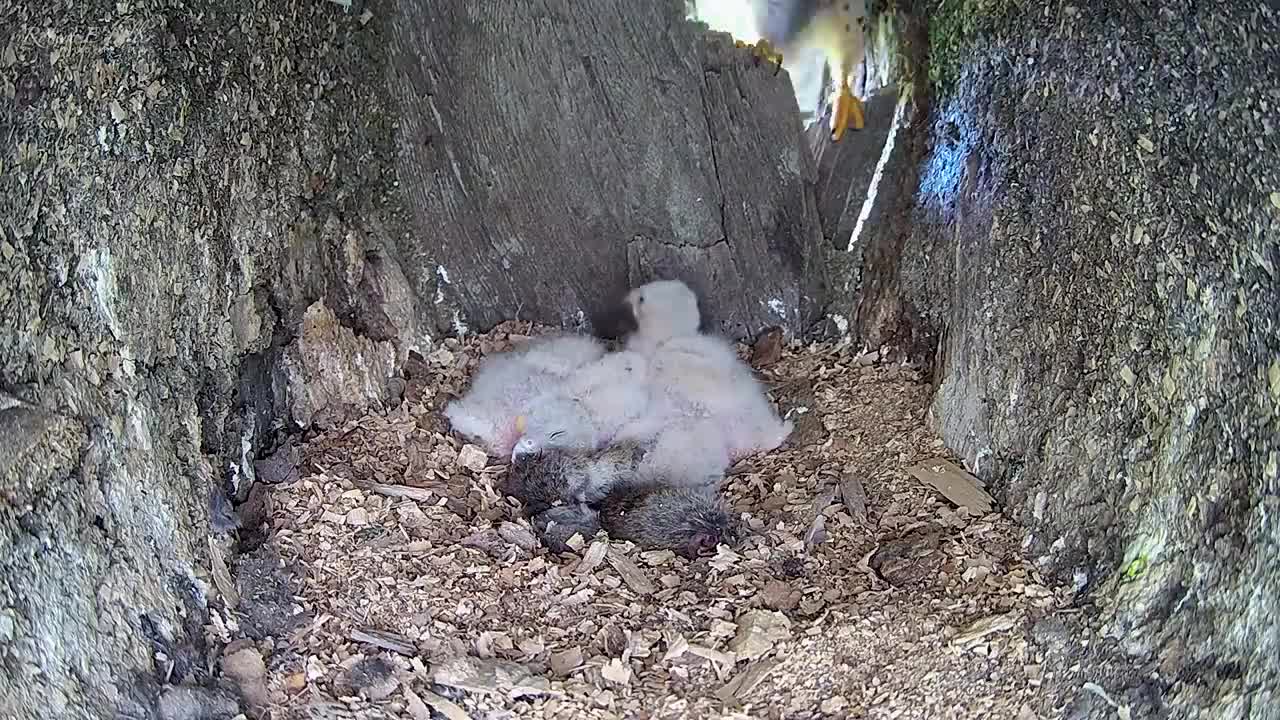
{"x": 1086, "y": 262}
{"x": 555, "y": 157}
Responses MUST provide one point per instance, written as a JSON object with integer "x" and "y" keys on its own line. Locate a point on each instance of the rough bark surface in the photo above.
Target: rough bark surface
{"x": 555, "y": 157}
{"x": 179, "y": 184}
{"x": 846, "y": 171}
{"x": 1093, "y": 255}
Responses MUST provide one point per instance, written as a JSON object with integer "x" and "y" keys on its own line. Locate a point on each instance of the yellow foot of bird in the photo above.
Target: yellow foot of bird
{"x": 846, "y": 110}
{"x": 763, "y": 50}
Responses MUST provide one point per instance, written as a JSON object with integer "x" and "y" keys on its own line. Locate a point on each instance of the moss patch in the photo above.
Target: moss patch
{"x": 954, "y": 26}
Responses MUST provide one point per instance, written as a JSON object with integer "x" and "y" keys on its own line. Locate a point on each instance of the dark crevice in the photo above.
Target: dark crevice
{"x": 715, "y": 161}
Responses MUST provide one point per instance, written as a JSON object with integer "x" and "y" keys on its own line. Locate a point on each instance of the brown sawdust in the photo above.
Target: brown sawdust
{"x": 851, "y": 643}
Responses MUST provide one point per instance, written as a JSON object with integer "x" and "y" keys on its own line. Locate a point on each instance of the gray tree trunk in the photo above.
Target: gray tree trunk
{"x": 555, "y": 157}
{"x": 1085, "y": 255}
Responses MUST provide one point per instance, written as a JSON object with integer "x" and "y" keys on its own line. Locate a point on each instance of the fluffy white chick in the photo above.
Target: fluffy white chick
{"x": 590, "y": 408}
{"x": 662, "y": 309}
{"x": 694, "y": 375}
{"x": 688, "y": 452}
{"x": 506, "y": 384}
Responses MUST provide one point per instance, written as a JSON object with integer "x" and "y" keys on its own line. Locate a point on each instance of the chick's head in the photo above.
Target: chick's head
{"x": 555, "y": 423}
{"x": 664, "y": 309}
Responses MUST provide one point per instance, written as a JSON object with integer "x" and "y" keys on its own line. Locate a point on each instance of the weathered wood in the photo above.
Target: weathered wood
{"x": 554, "y": 157}
{"x": 955, "y": 483}
{"x": 845, "y": 170}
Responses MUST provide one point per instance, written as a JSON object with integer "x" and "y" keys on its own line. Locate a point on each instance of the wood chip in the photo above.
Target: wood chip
{"x": 385, "y": 640}
{"x": 653, "y": 558}
{"x": 247, "y": 668}
{"x": 722, "y": 662}
{"x": 631, "y": 574}
{"x": 421, "y": 494}
{"x": 984, "y": 627}
{"x": 739, "y": 687}
{"x": 834, "y": 705}
{"x": 725, "y": 558}
{"x": 955, "y": 484}
{"x": 473, "y": 458}
{"x": 490, "y": 676}
{"x": 531, "y": 646}
{"x": 676, "y": 646}
{"x": 768, "y": 348}
{"x": 854, "y": 497}
{"x": 563, "y": 663}
{"x": 593, "y": 557}
{"x": 416, "y": 707}
{"x": 758, "y": 632}
{"x": 778, "y": 595}
{"x": 616, "y": 672}
{"x": 817, "y": 533}
{"x": 222, "y": 576}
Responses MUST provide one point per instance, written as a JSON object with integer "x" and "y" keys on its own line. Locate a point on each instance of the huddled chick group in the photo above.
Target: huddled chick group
{"x": 635, "y": 441}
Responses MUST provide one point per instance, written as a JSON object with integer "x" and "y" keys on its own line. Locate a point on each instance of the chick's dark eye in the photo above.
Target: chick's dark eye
{"x": 640, "y": 300}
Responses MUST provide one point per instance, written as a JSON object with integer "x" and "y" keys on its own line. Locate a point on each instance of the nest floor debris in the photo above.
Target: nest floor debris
{"x": 858, "y": 592}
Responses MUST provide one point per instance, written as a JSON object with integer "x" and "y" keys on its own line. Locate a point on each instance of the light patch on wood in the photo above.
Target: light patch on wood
{"x": 878, "y": 175}
{"x": 984, "y": 627}
{"x": 746, "y": 681}
{"x": 955, "y": 484}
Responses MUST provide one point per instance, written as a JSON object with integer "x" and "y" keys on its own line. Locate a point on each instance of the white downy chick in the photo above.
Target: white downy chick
{"x": 705, "y": 378}
{"x": 590, "y": 408}
{"x": 663, "y": 309}
{"x": 506, "y": 384}
{"x": 698, "y": 376}
{"x": 689, "y": 452}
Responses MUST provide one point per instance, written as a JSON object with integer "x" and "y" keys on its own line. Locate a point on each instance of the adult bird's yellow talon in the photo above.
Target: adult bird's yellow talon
{"x": 839, "y": 117}
{"x": 846, "y": 110}
{"x": 762, "y": 50}
{"x": 837, "y": 29}
{"x": 855, "y": 112}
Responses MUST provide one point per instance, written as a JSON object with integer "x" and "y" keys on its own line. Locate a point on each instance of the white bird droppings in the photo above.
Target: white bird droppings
{"x": 842, "y": 324}
{"x": 459, "y": 327}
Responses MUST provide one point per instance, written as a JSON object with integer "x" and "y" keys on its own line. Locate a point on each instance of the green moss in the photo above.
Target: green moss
{"x": 954, "y": 27}
{"x": 1134, "y": 569}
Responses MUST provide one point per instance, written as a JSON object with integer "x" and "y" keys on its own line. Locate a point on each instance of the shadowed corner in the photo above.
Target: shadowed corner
{"x": 705, "y": 323}
{"x": 614, "y": 322}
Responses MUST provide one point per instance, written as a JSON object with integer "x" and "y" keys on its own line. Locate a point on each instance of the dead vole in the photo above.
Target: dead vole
{"x": 545, "y": 479}
{"x": 556, "y": 525}
{"x": 689, "y": 520}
